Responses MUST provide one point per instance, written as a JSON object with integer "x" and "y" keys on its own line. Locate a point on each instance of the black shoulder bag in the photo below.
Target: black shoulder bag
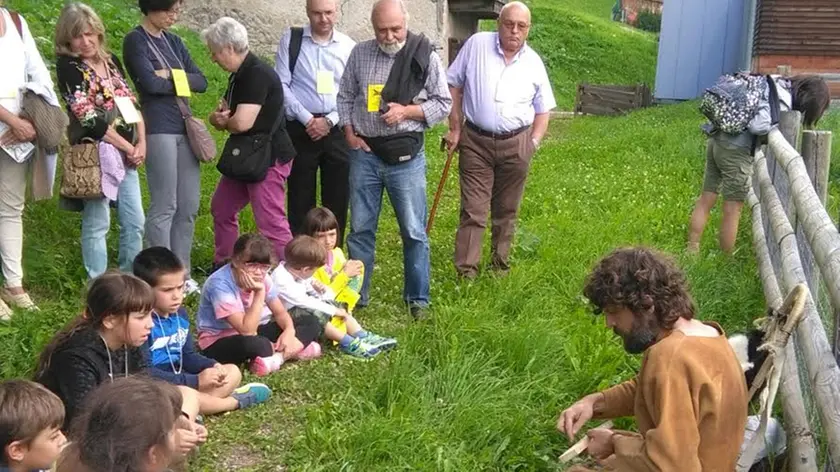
{"x": 247, "y": 157}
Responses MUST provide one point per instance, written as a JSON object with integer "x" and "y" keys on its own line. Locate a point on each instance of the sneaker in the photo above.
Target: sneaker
{"x": 311, "y": 351}
{"x": 419, "y": 312}
{"x": 5, "y": 311}
{"x": 20, "y": 300}
{"x": 261, "y": 367}
{"x": 251, "y": 394}
{"x": 380, "y": 342}
{"x": 191, "y": 287}
{"x": 359, "y": 349}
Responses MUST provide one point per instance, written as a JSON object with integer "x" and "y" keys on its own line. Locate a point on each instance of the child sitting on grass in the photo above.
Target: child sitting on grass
{"x": 170, "y": 345}
{"x": 104, "y": 344}
{"x": 302, "y": 296}
{"x": 343, "y": 277}
{"x": 30, "y": 427}
{"x": 130, "y": 425}
{"x": 241, "y": 319}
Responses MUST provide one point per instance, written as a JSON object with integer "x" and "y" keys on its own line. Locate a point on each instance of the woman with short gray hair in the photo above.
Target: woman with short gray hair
{"x": 257, "y": 157}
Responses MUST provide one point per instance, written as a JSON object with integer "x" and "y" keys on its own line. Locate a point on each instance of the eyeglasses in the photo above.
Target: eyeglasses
{"x": 510, "y": 25}
{"x": 257, "y": 267}
{"x": 175, "y": 11}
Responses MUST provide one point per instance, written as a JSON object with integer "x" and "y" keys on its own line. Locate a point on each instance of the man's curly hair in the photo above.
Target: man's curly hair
{"x": 641, "y": 280}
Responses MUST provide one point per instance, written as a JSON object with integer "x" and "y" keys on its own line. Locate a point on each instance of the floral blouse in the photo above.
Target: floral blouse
{"x": 90, "y": 98}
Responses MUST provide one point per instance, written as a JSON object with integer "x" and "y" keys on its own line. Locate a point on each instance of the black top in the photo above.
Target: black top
{"x": 257, "y": 83}
{"x": 81, "y": 364}
{"x": 157, "y": 95}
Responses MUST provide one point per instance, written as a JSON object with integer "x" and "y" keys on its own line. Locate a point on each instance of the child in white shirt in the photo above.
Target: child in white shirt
{"x": 302, "y": 295}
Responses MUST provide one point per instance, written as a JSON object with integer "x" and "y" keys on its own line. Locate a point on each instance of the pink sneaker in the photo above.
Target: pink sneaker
{"x": 311, "y": 351}
{"x": 259, "y": 367}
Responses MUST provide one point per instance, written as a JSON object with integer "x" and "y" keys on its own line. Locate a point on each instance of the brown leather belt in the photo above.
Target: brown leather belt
{"x": 506, "y": 135}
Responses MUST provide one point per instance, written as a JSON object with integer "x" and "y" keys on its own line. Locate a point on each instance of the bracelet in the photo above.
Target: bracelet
{"x": 535, "y": 143}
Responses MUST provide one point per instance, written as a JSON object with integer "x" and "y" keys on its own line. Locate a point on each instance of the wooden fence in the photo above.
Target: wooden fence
{"x": 797, "y": 242}
{"x": 611, "y": 99}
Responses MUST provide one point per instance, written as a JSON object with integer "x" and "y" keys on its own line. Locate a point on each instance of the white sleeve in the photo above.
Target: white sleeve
{"x": 36, "y": 70}
{"x": 293, "y": 293}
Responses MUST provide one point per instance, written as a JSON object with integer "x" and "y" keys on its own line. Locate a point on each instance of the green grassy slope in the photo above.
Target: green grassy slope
{"x": 479, "y": 387}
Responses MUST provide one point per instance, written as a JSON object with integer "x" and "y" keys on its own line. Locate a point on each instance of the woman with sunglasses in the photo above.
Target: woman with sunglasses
{"x": 242, "y": 319}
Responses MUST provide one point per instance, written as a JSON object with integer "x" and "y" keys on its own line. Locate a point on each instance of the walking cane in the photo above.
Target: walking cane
{"x": 440, "y": 185}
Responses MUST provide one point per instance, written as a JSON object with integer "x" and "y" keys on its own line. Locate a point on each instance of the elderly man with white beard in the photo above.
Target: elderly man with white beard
{"x": 393, "y": 88}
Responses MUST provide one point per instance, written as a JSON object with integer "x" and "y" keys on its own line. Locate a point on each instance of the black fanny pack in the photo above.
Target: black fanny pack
{"x": 247, "y": 157}
{"x": 397, "y": 148}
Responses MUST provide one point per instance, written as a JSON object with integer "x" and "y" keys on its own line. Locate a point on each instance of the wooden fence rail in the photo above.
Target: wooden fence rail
{"x": 797, "y": 242}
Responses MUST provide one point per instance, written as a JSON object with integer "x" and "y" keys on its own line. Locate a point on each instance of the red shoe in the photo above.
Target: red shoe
{"x": 259, "y": 367}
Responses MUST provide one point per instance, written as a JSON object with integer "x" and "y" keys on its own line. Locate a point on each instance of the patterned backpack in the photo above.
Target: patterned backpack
{"x": 733, "y": 101}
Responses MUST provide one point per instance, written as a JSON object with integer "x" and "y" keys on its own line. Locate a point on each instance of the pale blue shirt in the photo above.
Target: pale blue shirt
{"x": 300, "y": 91}
{"x": 499, "y": 97}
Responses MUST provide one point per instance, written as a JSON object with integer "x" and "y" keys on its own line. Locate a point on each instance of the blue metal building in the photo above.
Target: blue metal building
{"x": 699, "y": 41}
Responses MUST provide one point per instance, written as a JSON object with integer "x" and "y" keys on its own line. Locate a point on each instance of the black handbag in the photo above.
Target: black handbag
{"x": 247, "y": 157}
{"x": 397, "y": 148}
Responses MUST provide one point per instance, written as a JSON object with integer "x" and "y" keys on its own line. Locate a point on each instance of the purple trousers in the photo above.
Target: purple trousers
{"x": 267, "y": 199}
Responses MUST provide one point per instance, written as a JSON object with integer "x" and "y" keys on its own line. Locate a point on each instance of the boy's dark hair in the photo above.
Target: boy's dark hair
{"x": 154, "y": 262}
{"x": 26, "y": 409}
{"x": 645, "y": 282}
{"x": 151, "y": 6}
{"x": 120, "y": 422}
{"x": 318, "y": 220}
{"x": 811, "y": 96}
{"x": 253, "y": 248}
{"x": 305, "y": 251}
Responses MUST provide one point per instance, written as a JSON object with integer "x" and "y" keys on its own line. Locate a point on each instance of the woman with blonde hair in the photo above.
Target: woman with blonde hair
{"x": 23, "y": 73}
{"x": 103, "y": 109}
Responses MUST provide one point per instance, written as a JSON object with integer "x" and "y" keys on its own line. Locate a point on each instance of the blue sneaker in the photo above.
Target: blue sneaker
{"x": 251, "y": 394}
{"x": 380, "y": 342}
{"x": 359, "y": 349}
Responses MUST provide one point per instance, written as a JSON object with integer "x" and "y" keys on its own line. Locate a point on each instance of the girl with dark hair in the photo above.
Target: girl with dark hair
{"x": 130, "y": 425}
{"x": 729, "y": 157}
{"x": 103, "y": 343}
{"x": 242, "y": 319}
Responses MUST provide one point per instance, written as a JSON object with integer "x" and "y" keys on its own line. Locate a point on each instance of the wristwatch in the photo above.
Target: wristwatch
{"x": 329, "y": 121}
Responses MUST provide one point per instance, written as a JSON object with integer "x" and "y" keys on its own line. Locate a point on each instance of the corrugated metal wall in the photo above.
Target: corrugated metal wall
{"x": 700, "y": 40}
{"x": 798, "y": 27}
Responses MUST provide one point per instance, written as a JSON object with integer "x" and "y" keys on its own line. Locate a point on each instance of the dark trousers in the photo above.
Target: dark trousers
{"x": 331, "y": 155}
{"x": 240, "y": 349}
{"x": 492, "y": 174}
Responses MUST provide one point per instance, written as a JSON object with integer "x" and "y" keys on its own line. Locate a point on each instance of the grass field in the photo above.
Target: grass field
{"x": 478, "y": 387}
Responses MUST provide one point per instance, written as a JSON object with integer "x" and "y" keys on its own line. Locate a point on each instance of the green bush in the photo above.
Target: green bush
{"x": 649, "y": 21}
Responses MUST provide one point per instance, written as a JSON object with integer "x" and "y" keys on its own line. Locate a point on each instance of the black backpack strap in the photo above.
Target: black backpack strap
{"x": 16, "y": 20}
{"x": 773, "y": 97}
{"x": 294, "y": 47}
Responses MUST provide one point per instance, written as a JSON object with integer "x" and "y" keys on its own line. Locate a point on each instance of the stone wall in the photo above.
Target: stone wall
{"x": 267, "y": 19}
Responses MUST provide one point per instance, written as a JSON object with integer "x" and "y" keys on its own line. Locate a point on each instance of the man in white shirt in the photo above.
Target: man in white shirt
{"x": 310, "y": 62}
{"x": 501, "y": 97}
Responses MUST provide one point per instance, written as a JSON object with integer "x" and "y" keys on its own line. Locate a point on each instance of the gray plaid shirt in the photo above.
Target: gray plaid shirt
{"x": 369, "y": 65}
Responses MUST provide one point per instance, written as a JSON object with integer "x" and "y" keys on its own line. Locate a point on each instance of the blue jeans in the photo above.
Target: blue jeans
{"x": 406, "y": 187}
{"x": 96, "y": 221}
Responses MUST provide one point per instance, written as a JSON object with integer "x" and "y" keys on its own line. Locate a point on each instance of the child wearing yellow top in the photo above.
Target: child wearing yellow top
{"x": 343, "y": 276}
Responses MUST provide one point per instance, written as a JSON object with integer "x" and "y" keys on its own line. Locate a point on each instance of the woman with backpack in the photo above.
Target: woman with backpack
{"x": 730, "y": 147}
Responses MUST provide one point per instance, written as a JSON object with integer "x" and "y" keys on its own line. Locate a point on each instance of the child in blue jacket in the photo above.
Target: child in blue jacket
{"x": 170, "y": 347}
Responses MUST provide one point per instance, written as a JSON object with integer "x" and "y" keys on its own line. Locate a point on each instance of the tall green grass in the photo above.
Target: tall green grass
{"x": 479, "y": 386}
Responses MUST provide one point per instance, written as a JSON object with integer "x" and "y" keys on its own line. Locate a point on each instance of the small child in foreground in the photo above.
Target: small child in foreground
{"x": 172, "y": 355}
{"x": 130, "y": 425}
{"x": 30, "y": 426}
{"x": 303, "y": 296}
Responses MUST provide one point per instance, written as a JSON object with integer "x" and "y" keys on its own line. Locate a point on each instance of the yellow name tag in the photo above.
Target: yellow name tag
{"x": 127, "y": 110}
{"x": 325, "y": 82}
{"x": 374, "y": 97}
{"x": 182, "y": 85}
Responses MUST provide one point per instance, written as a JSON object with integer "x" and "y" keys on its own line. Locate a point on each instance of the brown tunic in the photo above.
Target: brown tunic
{"x": 690, "y": 404}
